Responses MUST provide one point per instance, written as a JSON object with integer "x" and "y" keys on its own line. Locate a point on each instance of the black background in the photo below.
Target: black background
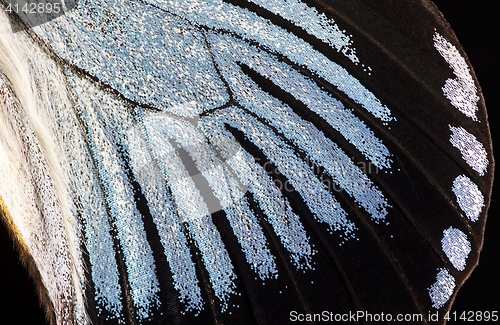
{"x": 476, "y": 26}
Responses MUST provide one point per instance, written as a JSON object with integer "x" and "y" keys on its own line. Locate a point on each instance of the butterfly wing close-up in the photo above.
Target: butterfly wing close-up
{"x": 241, "y": 161}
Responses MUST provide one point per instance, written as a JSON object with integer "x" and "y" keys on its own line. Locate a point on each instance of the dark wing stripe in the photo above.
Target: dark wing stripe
{"x": 317, "y": 44}
{"x": 170, "y": 305}
{"x": 299, "y": 207}
{"x": 326, "y": 242}
{"x": 308, "y": 115}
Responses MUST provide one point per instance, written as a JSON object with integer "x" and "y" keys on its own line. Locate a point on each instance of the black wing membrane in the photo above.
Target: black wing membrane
{"x": 319, "y": 160}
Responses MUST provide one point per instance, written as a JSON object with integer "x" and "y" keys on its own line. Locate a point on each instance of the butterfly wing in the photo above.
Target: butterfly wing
{"x": 248, "y": 161}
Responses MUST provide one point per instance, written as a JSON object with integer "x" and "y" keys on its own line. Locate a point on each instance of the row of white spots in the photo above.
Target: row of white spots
{"x": 313, "y": 22}
{"x": 304, "y": 134}
{"x": 455, "y": 243}
{"x": 218, "y": 14}
{"x": 147, "y": 54}
{"x": 462, "y": 94}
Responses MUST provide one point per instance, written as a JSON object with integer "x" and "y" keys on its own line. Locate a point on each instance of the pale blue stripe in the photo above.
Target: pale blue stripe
{"x": 96, "y": 111}
{"x": 190, "y": 205}
{"x": 315, "y": 194}
{"x": 224, "y": 187}
{"x": 165, "y": 217}
{"x": 304, "y": 134}
{"x": 302, "y": 88}
{"x": 313, "y": 22}
{"x": 148, "y": 55}
{"x": 91, "y": 204}
{"x": 277, "y": 209}
{"x": 221, "y": 15}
